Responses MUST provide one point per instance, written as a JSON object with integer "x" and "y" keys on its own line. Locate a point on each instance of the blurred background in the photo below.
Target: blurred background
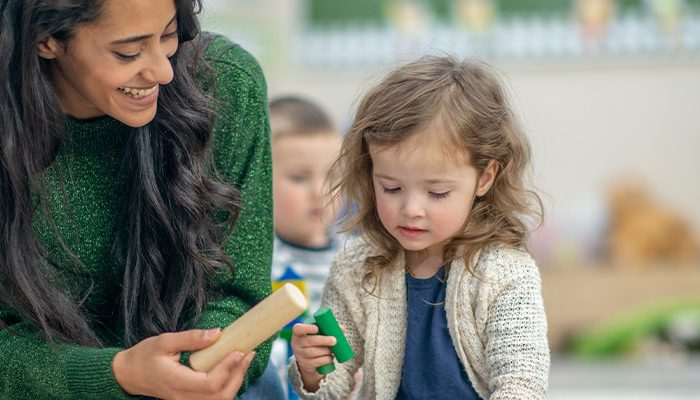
{"x": 609, "y": 93}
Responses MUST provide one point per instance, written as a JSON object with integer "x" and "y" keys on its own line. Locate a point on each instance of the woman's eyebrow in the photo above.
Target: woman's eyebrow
{"x": 139, "y": 38}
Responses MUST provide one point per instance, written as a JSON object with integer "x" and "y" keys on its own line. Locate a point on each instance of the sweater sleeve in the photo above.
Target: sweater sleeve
{"x": 342, "y": 295}
{"x": 517, "y": 353}
{"x": 33, "y": 368}
{"x": 242, "y": 158}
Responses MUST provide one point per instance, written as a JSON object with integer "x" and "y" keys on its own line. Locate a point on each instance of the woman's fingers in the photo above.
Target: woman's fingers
{"x": 220, "y": 375}
{"x": 223, "y": 381}
{"x": 190, "y": 340}
{"x": 237, "y": 374}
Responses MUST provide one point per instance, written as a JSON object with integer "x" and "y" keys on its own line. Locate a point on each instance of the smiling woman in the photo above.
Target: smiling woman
{"x": 130, "y": 146}
{"x": 113, "y": 67}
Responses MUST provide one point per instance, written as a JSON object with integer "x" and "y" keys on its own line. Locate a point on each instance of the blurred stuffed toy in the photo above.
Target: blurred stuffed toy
{"x": 642, "y": 232}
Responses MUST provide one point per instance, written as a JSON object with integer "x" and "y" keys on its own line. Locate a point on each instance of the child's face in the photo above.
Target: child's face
{"x": 300, "y": 164}
{"x": 424, "y": 198}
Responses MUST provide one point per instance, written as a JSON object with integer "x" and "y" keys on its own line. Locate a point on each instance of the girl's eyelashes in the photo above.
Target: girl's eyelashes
{"x": 434, "y": 195}
{"x": 440, "y": 195}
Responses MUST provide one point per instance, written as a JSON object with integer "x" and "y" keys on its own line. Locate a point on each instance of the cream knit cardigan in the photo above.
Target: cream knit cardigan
{"x": 497, "y": 324}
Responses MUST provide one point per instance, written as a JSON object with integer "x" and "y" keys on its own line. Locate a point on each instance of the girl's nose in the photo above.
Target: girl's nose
{"x": 412, "y": 207}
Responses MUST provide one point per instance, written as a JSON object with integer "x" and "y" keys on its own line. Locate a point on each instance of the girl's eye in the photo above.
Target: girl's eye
{"x": 391, "y": 190}
{"x": 440, "y": 195}
{"x": 127, "y": 57}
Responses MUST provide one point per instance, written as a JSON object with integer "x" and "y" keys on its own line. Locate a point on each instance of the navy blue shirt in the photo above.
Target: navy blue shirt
{"x": 431, "y": 368}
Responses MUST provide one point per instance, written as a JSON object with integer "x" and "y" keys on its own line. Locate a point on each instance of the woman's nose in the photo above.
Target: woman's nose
{"x": 160, "y": 71}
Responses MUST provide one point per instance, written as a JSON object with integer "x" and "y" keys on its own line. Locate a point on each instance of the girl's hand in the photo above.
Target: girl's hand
{"x": 152, "y": 368}
{"x": 311, "y": 351}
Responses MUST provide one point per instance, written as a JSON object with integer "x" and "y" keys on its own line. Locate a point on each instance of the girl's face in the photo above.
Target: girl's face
{"x": 423, "y": 199}
{"x": 115, "y": 65}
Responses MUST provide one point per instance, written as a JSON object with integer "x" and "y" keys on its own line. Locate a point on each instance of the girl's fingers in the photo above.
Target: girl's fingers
{"x": 317, "y": 341}
{"x": 304, "y": 329}
{"x": 310, "y": 365}
{"x": 319, "y": 361}
{"x": 312, "y": 352}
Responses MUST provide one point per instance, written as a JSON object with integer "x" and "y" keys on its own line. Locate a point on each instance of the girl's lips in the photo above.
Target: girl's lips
{"x": 411, "y": 232}
{"x": 143, "y": 101}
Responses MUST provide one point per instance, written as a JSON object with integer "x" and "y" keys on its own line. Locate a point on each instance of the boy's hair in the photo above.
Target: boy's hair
{"x": 291, "y": 115}
{"x": 465, "y": 104}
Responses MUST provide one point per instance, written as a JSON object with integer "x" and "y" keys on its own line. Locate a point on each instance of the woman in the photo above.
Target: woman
{"x": 125, "y": 161}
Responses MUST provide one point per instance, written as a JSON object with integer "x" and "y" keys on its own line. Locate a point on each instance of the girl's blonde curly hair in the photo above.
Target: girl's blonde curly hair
{"x": 467, "y": 104}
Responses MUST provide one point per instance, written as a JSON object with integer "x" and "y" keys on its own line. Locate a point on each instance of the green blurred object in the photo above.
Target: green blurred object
{"x": 624, "y": 335}
{"x": 327, "y": 12}
{"x": 331, "y": 12}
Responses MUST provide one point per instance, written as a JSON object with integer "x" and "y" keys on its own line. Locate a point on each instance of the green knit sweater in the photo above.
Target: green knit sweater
{"x": 86, "y": 217}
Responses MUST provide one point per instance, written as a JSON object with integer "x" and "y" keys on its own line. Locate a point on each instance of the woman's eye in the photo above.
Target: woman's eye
{"x": 168, "y": 36}
{"x": 390, "y": 190}
{"x": 440, "y": 195}
{"x": 127, "y": 57}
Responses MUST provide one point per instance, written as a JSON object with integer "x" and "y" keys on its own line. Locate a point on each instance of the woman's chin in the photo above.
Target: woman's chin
{"x": 136, "y": 119}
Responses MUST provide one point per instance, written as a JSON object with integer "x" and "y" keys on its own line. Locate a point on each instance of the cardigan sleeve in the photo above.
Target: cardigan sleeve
{"x": 517, "y": 352}
{"x": 342, "y": 294}
{"x": 242, "y": 157}
{"x": 33, "y": 368}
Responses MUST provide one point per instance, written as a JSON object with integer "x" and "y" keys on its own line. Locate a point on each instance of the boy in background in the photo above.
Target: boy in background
{"x": 305, "y": 144}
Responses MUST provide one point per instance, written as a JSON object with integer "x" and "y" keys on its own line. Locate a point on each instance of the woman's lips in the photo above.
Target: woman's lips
{"x": 143, "y": 101}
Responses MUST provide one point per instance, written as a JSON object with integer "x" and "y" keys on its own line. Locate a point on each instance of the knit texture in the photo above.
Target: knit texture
{"x": 495, "y": 317}
{"x": 84, "y": 187}
{"x": 307, "y": 268}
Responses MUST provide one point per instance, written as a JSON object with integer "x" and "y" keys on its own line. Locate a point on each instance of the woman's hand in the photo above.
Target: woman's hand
{"x": 311, "y": 351}
{"x": 152, "y": 368}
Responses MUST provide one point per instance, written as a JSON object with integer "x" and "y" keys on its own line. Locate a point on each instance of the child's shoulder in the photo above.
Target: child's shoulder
{"x": 350, "y": 260}
{"x": 504, "y": 263}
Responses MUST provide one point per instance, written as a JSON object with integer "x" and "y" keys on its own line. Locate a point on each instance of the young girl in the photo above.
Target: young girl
{"x": 438, "y": 298}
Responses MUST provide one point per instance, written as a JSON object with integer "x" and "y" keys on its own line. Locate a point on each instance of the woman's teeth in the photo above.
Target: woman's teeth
{"x": 137, "y": 93}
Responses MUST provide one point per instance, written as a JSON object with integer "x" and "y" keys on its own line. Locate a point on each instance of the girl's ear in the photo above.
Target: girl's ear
{"x": 487, "y": 177}
{"x": 49, "y": 48}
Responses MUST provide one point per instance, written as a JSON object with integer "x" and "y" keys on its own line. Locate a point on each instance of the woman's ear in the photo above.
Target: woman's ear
{"x": 49, "y": 48}
{"x": 487, "y": 177}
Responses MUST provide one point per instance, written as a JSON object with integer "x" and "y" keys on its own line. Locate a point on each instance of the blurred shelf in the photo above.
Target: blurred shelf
{"x": 578, "y": 298}
{"x": 537, "y": 41}
{"x": 629, "y": 379}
